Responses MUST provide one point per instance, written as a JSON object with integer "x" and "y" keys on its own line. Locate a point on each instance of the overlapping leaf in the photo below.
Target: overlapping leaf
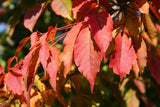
{"x": 133, "y": 25}
{"x": 44, "y": 55}
{"x": 34, "y": 38}
{"x": 81, "y": 8}
{"x": 69, "y": 41}
{"x": 123, "y": 57}
{"x": 142, "y": 56}
{"x": 101, "y": 29}
{"x": 87, "y": 56}
{"x": 53, "y": 66}
{"x": 21, "y": 44}
{"x": 14, "y": 83}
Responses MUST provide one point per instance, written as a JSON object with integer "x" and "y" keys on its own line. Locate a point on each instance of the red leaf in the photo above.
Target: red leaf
{"x": 33, "y": 14}
{"x": 123, "y": 57}
{"x": 87, "y": 56}
{"x": 69, "y": 41}
{"x": 26, "y": 61}
{"x": 1, "y": 79}
{"x": 17, "y": 68}
{"x": 44, "y": 55}
{"x": 104, "y": 2}
{"x": 14, "y": 83}
{"x": 44, "y": 38}
{"x": 32, "y": 69}
{"x": 21, "y": 44}
{"x": 141, "y": 59}
{"x": 77, "y": 5}
{"x": 81, "y": 8}
{"x": 101, "y": 25}
{"x": 34, "y": 38}
{"x": 53, "y": 66}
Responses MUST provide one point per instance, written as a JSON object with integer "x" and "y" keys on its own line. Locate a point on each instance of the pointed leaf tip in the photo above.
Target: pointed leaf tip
{"x": 87, "y": 56}
{"x": 124, "y": 57}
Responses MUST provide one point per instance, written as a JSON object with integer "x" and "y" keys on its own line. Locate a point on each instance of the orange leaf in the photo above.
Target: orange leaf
{"x": 20, "y": 46}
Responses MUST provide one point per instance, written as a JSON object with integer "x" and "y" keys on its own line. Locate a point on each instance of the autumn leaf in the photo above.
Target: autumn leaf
{"x": 142, "y": 56}
{"x": 76, "y": 5}
{"x": 51, "y": 33}
{"x": 141, "y": 59}
{"x": 143, "y": 6}
{"x": 132, "y": 23}
{"x": 17, "y": 68}
{"x": 123, "y": 57}
{"x": 9, "y": 62}
{"x": 62, "y": 7}
{"x": 26, "y": 62}
{"x": 44, "y": 55}
{"x": 14, "y": 83}
{"x": 32, "y": 69}
{"x": 101, "y": 25}
{"x": 33, "y": 14}
{"x": 151, "y": 29}
{"x": 21, "y": 44}
{"x": 34, "y": 38}
{"x": 69, "y": 41}
{"x": 87, "y": 56}
{"x": 80, "y": 8}
{"x": 53, "y": 66}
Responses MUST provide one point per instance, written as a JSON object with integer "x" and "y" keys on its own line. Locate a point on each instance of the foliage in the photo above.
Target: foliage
{"x": 100, "y": 36}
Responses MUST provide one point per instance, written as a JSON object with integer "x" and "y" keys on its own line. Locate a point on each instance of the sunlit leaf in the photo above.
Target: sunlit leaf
{"x": 62, "y": 7}
{"x": 124, "y": 56}
{"x": 87, "y": 56}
